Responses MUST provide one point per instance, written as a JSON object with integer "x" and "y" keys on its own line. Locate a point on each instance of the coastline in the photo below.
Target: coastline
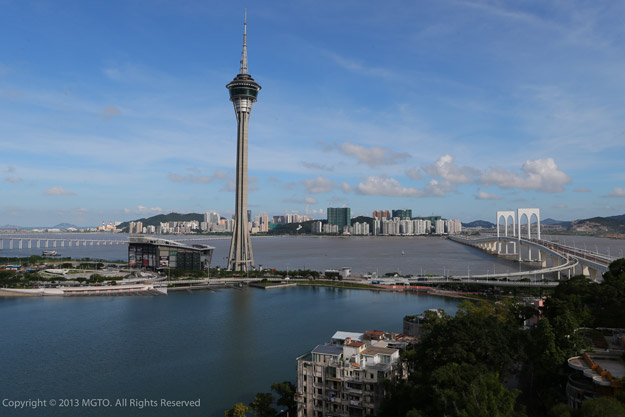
{"x": 329, "y": 284}
{"x": 12, "y": 294}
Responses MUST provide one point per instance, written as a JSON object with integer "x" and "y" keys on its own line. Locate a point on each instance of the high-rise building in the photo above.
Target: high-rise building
{"x": 381, "y": 214}
{"x": 340, "y": 216}
{"x": 402, "y": 213}
{"x": 243, "y": 92}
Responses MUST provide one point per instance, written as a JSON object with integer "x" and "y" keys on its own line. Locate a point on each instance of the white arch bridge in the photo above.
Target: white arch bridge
{"x": 564, "y": 259}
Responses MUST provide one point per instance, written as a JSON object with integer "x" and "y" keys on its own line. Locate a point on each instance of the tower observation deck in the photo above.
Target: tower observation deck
{"x": 243, "y": 93}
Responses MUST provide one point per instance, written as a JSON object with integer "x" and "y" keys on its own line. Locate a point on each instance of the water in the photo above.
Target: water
{"x": 427, "y": 255}
{"x": 221, "y": 348}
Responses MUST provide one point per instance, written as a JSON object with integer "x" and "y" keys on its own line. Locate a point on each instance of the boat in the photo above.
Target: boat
{"x": 50, "y": 253}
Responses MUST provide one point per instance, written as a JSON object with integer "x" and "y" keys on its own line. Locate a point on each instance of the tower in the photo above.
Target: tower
{"x": 243, "y": 92}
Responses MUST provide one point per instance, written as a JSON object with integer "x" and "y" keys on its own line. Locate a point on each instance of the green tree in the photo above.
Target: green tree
{"x": 286, "y": 393}
{"x": 238, "y": 410}
{"x": 470, "y": 391}
{"x": 601, "y": 407}
{"x": 560, "y": 410}
{"x": 546, "y": 354}
{"x": 609, "y": 302}
{"x": 262, "y": 405}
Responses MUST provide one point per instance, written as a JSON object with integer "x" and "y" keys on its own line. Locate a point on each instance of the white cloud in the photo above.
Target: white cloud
{"x": 387, "y": 187}
{"x": 345, "y": 187}
{"x": 415, "y": 174}
{"x": 314, "y": 165}
{"x": 359, "y": 67}
{"x": 13, "y": 180}
{"x": 616, "y": 192}
{"x": 540, "y": 174}
{"x": 446, "y": 169}
{"x": 59, "y": 191}
{"x": 373, "y": 156}
{"x": 483, "y": 195}
{"x": 438, "y": 188}
{"x": 581, "y": 190}
{"x": 144, "y": 210}
{"x": 201, "y": 179}
{"x": 318, "y": 185}
{"x": 307, "y": 200}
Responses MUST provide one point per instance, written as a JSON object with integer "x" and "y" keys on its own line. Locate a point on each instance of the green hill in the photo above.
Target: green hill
{"x": 161, "y": 218}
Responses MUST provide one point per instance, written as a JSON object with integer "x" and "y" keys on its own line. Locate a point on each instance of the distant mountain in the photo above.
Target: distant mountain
{"x": 552, "y": 222}
{"x": 479, "y": 223}
{"x": 600, "y": 225}
{"x": 64, "y": 226}
{"x": 162, "y": 218}
{"x": 10, "y": 227}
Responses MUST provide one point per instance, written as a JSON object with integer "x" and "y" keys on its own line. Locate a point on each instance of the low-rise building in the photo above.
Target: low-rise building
{"x": 153, "y": 253}
{"x": 344, "y": 377}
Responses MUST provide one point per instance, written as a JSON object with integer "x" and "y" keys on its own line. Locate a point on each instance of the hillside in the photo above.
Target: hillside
{"x": 161, "y": 218}
{"x": 292, "y": 228}
{"x": 599, "y": 225}
{"x": 479, "y": 223}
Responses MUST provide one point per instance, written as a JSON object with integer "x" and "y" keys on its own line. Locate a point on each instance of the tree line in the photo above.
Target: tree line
{"x": 482, "y": 363}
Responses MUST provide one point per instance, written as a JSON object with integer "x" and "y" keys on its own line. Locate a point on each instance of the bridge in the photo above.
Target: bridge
{"x": 24, "y": 242}
{"x": 564, "y": 258}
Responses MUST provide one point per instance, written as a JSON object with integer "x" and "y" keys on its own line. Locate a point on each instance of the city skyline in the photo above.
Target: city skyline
{"x": 456, "y": 108}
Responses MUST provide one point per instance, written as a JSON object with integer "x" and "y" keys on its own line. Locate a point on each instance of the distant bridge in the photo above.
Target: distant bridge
{"x": 564, "y": 258}
{"x": 22, "y": 242}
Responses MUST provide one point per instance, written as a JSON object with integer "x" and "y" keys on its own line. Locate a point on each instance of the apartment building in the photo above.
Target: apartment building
{"x": 344, "y": 377}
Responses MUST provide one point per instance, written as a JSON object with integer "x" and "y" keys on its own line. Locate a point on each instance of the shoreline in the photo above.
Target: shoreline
{"x": 216, "y": 288}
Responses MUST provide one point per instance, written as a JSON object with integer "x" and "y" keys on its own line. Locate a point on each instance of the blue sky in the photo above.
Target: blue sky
{"x": 118, "y": 110}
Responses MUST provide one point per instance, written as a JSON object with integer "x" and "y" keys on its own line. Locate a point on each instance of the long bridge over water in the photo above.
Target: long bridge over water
{"x": 563, "y": 258}
{"x": 21, "y": 242}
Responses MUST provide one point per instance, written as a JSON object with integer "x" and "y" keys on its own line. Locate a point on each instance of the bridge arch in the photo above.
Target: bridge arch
{"x": 528, "y": 213}
{"x": 507, "y": 215}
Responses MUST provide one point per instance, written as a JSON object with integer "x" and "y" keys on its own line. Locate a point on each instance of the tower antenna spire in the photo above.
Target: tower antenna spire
{"x": 244, "y": 54}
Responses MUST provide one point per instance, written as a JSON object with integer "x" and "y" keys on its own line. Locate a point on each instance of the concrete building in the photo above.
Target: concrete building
{"x": 453, "y": 227}
{"x": 243, "y": 93}
{"x": 152, "y": 253}
{"x": 330, "y": 228}
{"x": 600, "y": 372}
{"x": 403, "y": 214}
{"x": 360, "y": 229}
{"x": 381, "y": 214}
{"x": 135, "y": 227}
{"x": 439, "y": 227}
{"x": 344, "y": 377}
{"x": 316, "y": 227}
{"x": 340, "y": 216}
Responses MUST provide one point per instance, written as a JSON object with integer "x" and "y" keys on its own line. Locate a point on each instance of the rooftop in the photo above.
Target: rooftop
{"x": 328, "y": 350}
{"x": 374, "y": 350}
{"x": 340, "y": 335}
{"x": 165, "y": 242}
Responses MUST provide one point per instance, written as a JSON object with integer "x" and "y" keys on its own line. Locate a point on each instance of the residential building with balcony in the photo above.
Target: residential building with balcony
{"x": 344, "y": 378}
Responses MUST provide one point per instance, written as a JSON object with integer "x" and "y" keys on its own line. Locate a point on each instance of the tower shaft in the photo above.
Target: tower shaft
{"x": 241, "y": 255}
